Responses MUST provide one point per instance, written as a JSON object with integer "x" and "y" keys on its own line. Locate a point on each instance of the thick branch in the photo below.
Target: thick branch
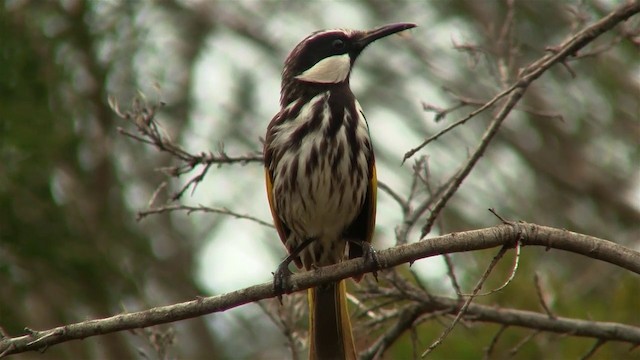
{"x": 527, "y": 234}
{"x": 603, "y": 331}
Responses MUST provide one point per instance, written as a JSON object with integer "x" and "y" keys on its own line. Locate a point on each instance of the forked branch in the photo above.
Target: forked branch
{"x": 527, "y": 234}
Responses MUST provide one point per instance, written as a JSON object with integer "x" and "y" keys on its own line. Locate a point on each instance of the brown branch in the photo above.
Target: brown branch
{"x": 467, "y": 303}
{"x": 200, "y": 208}
{"x": 514, "y": 350}
{"x": 603, "y": 331}
{"x": 405, "y": 322}
{"x": 440, "y": 113}
{"x": 143, "y": 116}
{"x": 527, "y": 234}
{"x": 569, "y": 48}
{"x": 541, "y": 297}
{"x": 452, "y": 275}
{"x": 593, "y": 349}
{"x": 517, "y": 90}
{"x": 404, "y": 205}
{"x": 489, "y": 351}
{"x": 488, "y": 135}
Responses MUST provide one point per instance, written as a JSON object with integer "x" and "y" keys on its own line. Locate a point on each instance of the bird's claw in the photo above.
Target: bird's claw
{"x": 371, "y": 258}
{"x": 280, "y": 279}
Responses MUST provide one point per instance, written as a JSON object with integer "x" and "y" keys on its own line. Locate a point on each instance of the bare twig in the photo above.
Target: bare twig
{"x": 512, "y": 275}
{"x": 405, "y": 322}
{"x": 464, "y": 172}
{"x": 284, "y": 318}
{"x": 541, "y": 297}
{"x": 466, "y": 101}
{"x": 593, "y": 349}
{"x": 452, "y": 275}
{"x": 201, "y": 208}
{"x": 142, "y": 116}
{"x": 466, "y": 304}
{"x": 441, "y": 113}
{"x": 568, "y": 48}
{"x": 394, "y": 195}
{"x": 494, "y": 341}
{"x": 523, "y": 342}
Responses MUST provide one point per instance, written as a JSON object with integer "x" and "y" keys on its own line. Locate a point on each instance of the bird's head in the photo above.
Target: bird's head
{"x": 326, "y": 57}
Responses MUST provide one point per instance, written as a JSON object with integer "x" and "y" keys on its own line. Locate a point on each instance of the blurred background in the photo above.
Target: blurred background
{"x": 71, "y": 185}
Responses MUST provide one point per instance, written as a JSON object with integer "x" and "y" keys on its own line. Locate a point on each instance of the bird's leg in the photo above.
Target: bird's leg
{"x": 370, "y": 256}
{"x": 282, "y": 273}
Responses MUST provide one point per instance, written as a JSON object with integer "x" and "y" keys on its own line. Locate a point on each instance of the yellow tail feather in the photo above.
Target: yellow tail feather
{"x": 330, "y": 335}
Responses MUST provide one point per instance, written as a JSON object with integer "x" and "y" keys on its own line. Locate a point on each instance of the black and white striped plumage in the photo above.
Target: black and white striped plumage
{"x": 320, "y": 170}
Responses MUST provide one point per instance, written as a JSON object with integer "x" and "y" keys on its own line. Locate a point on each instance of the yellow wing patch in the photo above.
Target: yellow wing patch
{"x": 373, "y": 192}
{"x": 280, "y": 227}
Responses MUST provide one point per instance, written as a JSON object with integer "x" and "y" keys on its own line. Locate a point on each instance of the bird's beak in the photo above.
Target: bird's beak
{"x": 367, "y": 37}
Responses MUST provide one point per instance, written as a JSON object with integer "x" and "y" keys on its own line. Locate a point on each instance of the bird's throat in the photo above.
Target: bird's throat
{"x": 332, "y": 70}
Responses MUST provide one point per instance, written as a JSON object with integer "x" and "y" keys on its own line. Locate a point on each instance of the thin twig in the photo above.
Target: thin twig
{"x": 394, "y": 195}
{"x": 494, "y": 341}
{"x": 514, "y": 350}
{"x": 190, "y": 209}
{"x": 541, "y": 297}
{"x": 477, "y": 154}
{"x": 593, "y": 349}
{"x": 464, "y": 307}
{"x": 512, "y": 275}
{"x": 150, "y": 132}
{"x": 568, "y": 48}
{"x": 452, "y": 275}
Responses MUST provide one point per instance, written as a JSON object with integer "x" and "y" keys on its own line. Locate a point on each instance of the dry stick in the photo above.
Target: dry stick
{"x": 452, "y": 275}
{"x": 530, "y": 234}
{"x": 490, "y": 103}
{"x": 404, "y": 205}
{"x": 535, "y": 321}
{"x": 411, "y": 218}
{"x": 190, "y": 209}
{"x": 408, "y": 319}
{"x": 512, "y": 275}
{"x": 466, "y": 170}
{"x": 522, "y": 342}
{"x": 142, "y": 116}
{"x": 560, "y": 53}
{"x": 543, "y": 302}
{"x": 464, "y": 307}
{"x": 284, "y": 326}
{"x": 405, "y": 322}
{"x": 528, "y": 75}
{"x": 494, "y": 341}
{"x": 593, "y": 349}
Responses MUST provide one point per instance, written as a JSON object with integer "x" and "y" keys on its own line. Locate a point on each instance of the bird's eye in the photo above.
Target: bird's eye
{"x": 338, "y": 44}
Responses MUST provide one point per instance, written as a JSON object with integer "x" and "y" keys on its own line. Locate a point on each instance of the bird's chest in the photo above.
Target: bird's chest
{"x": 321, "y": 178}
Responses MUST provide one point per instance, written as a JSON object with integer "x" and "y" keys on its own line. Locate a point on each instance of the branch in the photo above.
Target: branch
{"x": 527, "y": 234}
{"x": 530, "y": 319}
{"x": 559, "y": 54}
{"x": 143, "y": 116}
{"x": 200, "y": 208}
{"x": 603, "y": 331}
{"x": 491, "y": 131}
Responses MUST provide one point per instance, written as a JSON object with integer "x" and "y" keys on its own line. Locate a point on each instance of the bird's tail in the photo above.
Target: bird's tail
{"x": 329, "y": 324}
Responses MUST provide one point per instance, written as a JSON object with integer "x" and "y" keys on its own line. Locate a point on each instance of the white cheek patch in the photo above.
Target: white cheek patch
{"x": 331, "y": 70}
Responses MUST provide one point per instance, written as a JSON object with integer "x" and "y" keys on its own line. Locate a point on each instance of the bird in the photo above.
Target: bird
{"x": 321, "y": 175}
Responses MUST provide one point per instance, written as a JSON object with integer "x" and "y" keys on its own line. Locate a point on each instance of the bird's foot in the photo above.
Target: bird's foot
{"x": 371, "y": 259}
{"x": 280, "y": 279}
